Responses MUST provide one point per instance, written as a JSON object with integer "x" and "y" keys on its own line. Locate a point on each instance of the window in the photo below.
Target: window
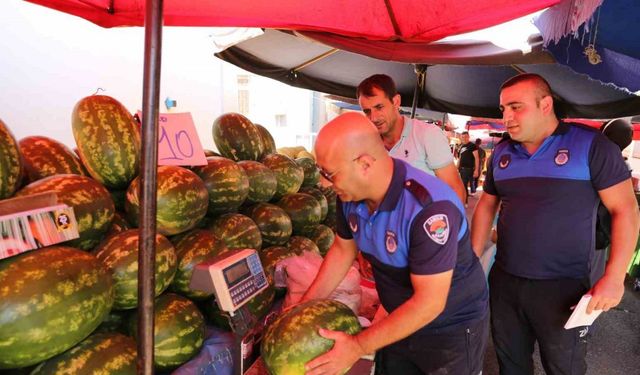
{"x": 243, "y": 94}
{"x": 281, "y": 121}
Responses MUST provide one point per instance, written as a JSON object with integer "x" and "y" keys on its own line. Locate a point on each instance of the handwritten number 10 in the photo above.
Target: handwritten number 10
{"x": 181, "y": 141}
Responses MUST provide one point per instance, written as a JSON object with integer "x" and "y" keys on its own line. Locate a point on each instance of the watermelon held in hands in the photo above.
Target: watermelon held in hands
{"x": 44, "y": 157}
{"x": 178, "y": 331}
{"x": 182, "y": 200}
{"x": 120, "y": 254}
{"x": 10, "y": 163}
{"x": 237, "y": 138}
{"x": 92, "y": 205}
{"x": 292, "y": 339}
{"x": 226, "y": 182}
{"x": 50, "y": 300}
{"x": 192, "y": 249}
{"x": 100, "y": 353}
{"x": 108, "y": 140}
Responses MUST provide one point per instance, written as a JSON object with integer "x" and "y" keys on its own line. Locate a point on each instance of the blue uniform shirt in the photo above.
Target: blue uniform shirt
{"x": 420, "y": 228}
{"x": 546, "y": 225}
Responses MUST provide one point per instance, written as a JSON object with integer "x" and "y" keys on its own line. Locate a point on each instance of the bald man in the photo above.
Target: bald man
{"x": 412, "y": 228}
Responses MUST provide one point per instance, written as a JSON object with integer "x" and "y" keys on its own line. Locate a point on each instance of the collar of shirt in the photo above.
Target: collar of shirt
{"x": 561, "y": 129}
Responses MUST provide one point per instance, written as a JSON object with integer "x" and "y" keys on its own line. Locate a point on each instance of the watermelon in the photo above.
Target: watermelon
{"x": 50, "y": 300}
{"x": 300, "y": 244}
{"x": 44, "y": 157}
{"x": 116, "y": 321}
{"x": 120, "y": 254}
{"x": 182, "y": 200}
{"x": 108, "y": 140}
{"x": 91, "y": 202}
{"x": 119, "y": 198}
{"x": 273, "y": 222}
{"x": 311, "y": 173}
{"x": 178, "y": 331}
{"x": 319, "y": 196}
{"x": 270, "y": 257}
{"x": 193, "y": 248}
{"x": 100, "y": 353}
{"x": 237, "y": 138}
{"x": 10, "y": 163}
{"x": 262, "y": 181}
{"x": 323, "y": 236}
{"x": 226, "y": 183}
{"x": 237, "y": 231}
{"x": 267, "y": 141}
{"x": 292, "y": 339}
{"x": 304, "y": 211}
{"x": 288, "y": 174}
{"x": 118, "y": 224}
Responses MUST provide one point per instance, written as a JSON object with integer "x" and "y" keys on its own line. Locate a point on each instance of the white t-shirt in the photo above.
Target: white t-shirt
{"x": 425, "y": 146}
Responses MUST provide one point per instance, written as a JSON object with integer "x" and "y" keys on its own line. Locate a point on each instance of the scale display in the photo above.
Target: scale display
{"x": 234, "y": 279}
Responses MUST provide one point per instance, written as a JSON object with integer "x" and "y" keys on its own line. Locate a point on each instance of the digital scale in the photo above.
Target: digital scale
{"x": 235, "y": 278}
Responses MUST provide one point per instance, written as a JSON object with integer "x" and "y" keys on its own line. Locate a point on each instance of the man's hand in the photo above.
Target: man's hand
{"x": 345, "y": 352}
{"x": 606, "y": 294}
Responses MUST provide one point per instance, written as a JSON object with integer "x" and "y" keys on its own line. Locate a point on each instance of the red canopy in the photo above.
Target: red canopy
{"x": 405, "y": 20}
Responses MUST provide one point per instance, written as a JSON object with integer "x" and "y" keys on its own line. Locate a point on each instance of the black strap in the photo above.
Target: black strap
{"x": 420, "y": 192}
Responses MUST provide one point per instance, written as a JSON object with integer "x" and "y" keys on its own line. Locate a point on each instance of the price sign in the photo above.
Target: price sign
{"x": 178, "y": 142}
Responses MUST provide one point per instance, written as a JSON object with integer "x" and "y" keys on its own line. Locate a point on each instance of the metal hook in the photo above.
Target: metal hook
{"x": 98, "y": 90}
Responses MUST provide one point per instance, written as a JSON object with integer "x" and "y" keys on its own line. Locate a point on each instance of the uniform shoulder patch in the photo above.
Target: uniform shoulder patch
{"x": 437, "y": 228}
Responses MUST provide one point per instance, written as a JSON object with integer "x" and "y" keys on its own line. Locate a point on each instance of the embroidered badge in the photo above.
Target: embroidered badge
{"x": 437, "y": 228}
{"x": 562, "y": 157}
{"x": 505, "y": 160}
{"x": 353, "y": 223}
{"x": 390, "y": 242}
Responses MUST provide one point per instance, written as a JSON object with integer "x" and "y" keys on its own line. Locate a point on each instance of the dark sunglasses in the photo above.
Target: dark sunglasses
{"x": 329, "y": 175}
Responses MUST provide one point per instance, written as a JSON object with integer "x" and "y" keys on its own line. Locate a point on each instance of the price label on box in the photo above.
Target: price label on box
{"x": 178, "y": 142}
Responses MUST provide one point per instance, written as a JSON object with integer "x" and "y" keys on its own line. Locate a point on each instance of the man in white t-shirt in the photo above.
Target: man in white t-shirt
{"x": 425, "y": 146}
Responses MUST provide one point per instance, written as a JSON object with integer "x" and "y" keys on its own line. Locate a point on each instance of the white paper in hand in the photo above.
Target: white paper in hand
{"x": 580, "y": 317}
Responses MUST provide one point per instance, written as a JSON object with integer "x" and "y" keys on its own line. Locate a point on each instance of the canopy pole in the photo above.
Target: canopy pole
{"x": 148, "y": 176}
{"x": 314, "y": 60}
{"x": 517, "y": 69}
{"x": 420, "y": 83}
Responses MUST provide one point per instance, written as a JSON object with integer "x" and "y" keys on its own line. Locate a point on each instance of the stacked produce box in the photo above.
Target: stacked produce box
{"x": 70, "y": 308}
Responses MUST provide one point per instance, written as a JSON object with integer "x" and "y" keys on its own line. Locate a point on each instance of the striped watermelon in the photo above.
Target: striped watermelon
{"x": 262, "y": 181}
{"x": 10, "y": 163}
{"x": 119, "y": 199}
{"x": 120, "y": 254}
{"x": 323, "y": 236}
{"x": 319, "y": 196}
{"x": 267, "y": 141}
{"x": 273, "y": 222}
{"x": 44, "y": 157}
{"x": 50, "y": 299}
{"x": 91, "y": 202}
{"x": 288, "y": 174}
{"x": 311, "y": 173}
{"x": 100, "y": 353}
{"x": 226, "y": 183}
{"x": 193, "y": 248}
{"x": 178, "y": 331}
{"x": 237, "y": 231}
{"x": 300, "y": 244}
{"x": 182, "y": 200}
{"x": 270, "y": 257}
{"x": 116, "y": 321}
{"x": 304, "y": 211}
{"x": 292, "y": 339}
{"x": 118, "y": 225}
{"x": 108, "y": 140}
{"x": 237, "y": 138}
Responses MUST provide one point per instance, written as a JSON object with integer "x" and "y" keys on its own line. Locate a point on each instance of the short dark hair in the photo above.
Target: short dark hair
{"x": 464, "y": 133}
{"x": 542, "y": 86}
{"x": 478, "y": 141}
{"x": 380, "y": 81}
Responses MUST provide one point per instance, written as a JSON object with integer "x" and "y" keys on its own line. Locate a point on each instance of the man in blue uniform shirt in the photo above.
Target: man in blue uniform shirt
{"x": 412, "y": 228}
{"x": 548, "y": 180}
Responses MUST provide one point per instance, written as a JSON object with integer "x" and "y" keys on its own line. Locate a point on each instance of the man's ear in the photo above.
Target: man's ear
{"x": 546, "y": 104}
{"x": 365, "y": 161}
{"x": 396, "y": 101}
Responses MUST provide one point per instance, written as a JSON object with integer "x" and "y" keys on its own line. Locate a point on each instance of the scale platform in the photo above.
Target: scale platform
{"x": 362, "y": 367}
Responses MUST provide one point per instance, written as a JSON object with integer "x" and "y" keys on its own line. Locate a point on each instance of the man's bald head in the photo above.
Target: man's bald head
{"x": 348, "y": 136}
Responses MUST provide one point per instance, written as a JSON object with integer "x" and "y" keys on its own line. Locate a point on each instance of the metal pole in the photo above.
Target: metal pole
{"x": 148, "y": 175}
{"x": 420, "y": 83}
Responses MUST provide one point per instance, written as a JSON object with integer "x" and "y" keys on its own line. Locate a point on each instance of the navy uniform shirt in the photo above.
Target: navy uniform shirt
{"x": 546, "y": 225}
{"x": 420, "y": 228}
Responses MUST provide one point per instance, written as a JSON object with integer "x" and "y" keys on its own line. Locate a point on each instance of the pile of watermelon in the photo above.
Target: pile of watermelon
{"x": 70, "y": 308}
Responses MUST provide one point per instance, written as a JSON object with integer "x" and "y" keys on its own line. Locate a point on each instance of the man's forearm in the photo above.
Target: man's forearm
{"x": 481, "y": 225}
